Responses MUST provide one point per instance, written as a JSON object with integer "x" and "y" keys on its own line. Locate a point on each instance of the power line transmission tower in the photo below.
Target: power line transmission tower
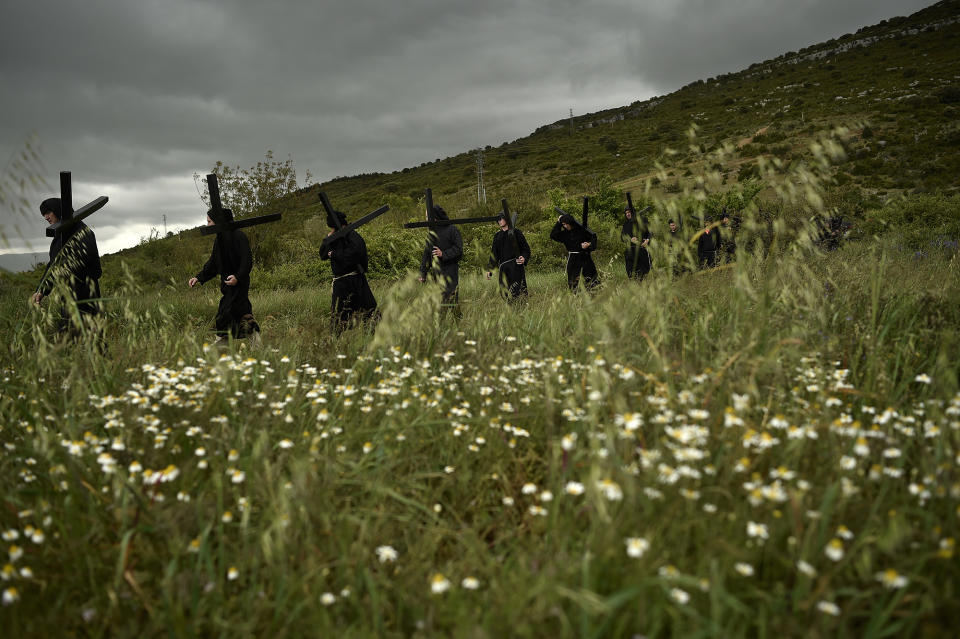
{"x": 481, "y": 191}
{"x": 571, "y": 121}
{"x": 164, "y": 224}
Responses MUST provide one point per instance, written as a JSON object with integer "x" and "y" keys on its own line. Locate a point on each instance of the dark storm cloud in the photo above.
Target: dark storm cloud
{"x": 134, "y": 97}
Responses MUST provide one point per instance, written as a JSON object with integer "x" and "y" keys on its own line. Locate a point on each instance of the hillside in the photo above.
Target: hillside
{"x": 893, "y": 86}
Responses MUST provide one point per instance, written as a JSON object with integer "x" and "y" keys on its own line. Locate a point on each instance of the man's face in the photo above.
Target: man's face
{"x": 51, "y": 217}
{"x": 209, "y": 221}
{"x": 673, "y": 227}
{"x": 628, "y": 214}
{"x": 565, "y": 226}
{"x": 502, "y": 223}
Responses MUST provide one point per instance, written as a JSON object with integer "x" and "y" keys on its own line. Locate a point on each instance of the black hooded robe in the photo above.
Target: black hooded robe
{"x": 231, "y": 256}
{"x": 512, "y": 276}
{"x": 636, "y": 258}
{"x": 578, "y": 258}
{"x": 708, "y": 245}
{"x": 447, "y": 238}
{"x": 75, "y": 260}
{"x": 351, "y": 292}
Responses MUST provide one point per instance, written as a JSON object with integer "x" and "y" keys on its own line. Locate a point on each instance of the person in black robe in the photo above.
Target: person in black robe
{"x": 510, "y": 255}
{"x": 675, "y": 247}
{"x": 579, "y": 242}
{"x": 232, "y": 260}
{"x": 74, "y": 262}
{"x": 636, "y": 257}
{"x": 708, "y": 244}
{"x": 351, "y": 297}
{"x": 441, "y": 259}
{"x": 728, "y": 238}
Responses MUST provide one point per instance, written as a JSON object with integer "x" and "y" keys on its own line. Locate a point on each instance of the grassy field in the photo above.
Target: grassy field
{"x": 770, "y": 447}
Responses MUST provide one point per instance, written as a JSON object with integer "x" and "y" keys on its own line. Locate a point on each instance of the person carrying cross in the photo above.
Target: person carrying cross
{"x": 351, "y": 297}
{"x": 579, "y": 242}
{"x": 75, "y": 263}
{"x": 441, "y": 258}
{"x": 635, "y": 233}
{"x": 509, "y": 255}
{"x": 232, "y": 260}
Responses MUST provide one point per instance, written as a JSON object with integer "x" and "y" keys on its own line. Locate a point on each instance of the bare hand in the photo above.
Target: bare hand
{"x": 584, "y": 245}
{"x": 645, "y": 242}
{"x": 37, "y": 297}
{"x": 231, "y": 280}
{"x": 193, "y": 282}
{"x": 437, "y": 252}
{"x": 521, "y": 260}
{"x": 489, "y": 274}
{"x": 634, "y": 240}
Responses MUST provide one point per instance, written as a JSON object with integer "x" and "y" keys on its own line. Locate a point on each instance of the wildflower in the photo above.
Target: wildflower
{"x": 834, "y": 549}
{"x": 892, "y": 579}
{"x": 14, "y": 553}
{"x": 546, "y": 496}
{"x": 11, "y": 534}
{"x": 10, "y": 596}
{"x": 946, "y": 548}
{"x": 328, "y": 599}
{"x": 569, "y": 441}
{"x": 194, "y": 545}
{"x": 367, "y": 447}
{"x": 574, "y": 488}
{"x": 285, "y": 443}
{"x": 232, "y": 573}
{"x": 829, "y": 608}
{"x": 238, "y": 476}
{"x": 636, "y": 546}
{"x": 758, "y": 530}
{"x": 806, "y": 568}
{"x": 744, "y": 569}
{"x": 439, "y": 584}
{"x": 507, "y": 501}
{"x": 923, "y": 378}
{"x": 386, "y": 553}
{"x": 528, "y": 489}
{"x": 227, "y": 517}
{"x": 437, "y": 508}
{"x": 610, "y": 489}
{"x": 844, "y": 532}
{"x": 470, "y": 583}
{"x": 680, "y": 596}
{"x": 537, "y": 511}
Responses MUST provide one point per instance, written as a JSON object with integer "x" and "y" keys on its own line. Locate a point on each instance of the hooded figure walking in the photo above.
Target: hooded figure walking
{"x": 509, "y": 255}
{"x": 441, "y": 259}
{"x": 579, "y": 243}
{"x": 74, "y": 262}
{"x": 232, "y": 261}
{"x": 636, "y": 257}
{"x": 351, "y": 298}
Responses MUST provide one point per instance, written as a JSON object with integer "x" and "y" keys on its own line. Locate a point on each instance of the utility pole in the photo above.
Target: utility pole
{"x": 571, "y": 121}
{"x": 481, "y": 191}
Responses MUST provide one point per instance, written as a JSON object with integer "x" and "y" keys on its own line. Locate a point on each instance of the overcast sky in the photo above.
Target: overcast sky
{"x": 135, "y": 96}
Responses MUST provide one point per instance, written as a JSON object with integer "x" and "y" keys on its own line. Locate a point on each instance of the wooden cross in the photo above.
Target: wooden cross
{"x": 220, "y": 222}
{"x": 343, "y": 229}
{"x": 69, "y": 217}
{"x": 432, "y": 222}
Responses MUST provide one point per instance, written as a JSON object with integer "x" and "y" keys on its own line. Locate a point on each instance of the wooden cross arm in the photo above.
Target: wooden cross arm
{"x": 343, "y": 230}
{"x": 462, "y": 220}
{"x": 239, "y": 224}
{"x": 78, "y": 215}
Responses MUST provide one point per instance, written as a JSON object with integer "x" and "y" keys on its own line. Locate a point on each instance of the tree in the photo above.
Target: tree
{"x": 251, "y": 191}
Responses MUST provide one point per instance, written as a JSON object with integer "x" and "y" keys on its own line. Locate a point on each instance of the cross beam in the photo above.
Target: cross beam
{"x": 432, "y": 222}
{"x": 220, "y": 222}
{"x": 69, "y": 217}
{"x": 343, "y": 229}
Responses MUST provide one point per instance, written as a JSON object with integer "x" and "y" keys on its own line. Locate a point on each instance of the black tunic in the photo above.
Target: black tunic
{"x": 578, "y": 258}
{"x": 231, "y": 256}
{"x": 447, "y": 238}
{"x": 513, "y": 276}
{"x": 636, "y": 258}
{"x": 707, "y": 246}
{"x": 351, "y": 292}
{"x": 75, "y": 261}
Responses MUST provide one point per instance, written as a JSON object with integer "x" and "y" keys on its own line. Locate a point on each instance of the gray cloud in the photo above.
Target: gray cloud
{"x": 136, "y": 97}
